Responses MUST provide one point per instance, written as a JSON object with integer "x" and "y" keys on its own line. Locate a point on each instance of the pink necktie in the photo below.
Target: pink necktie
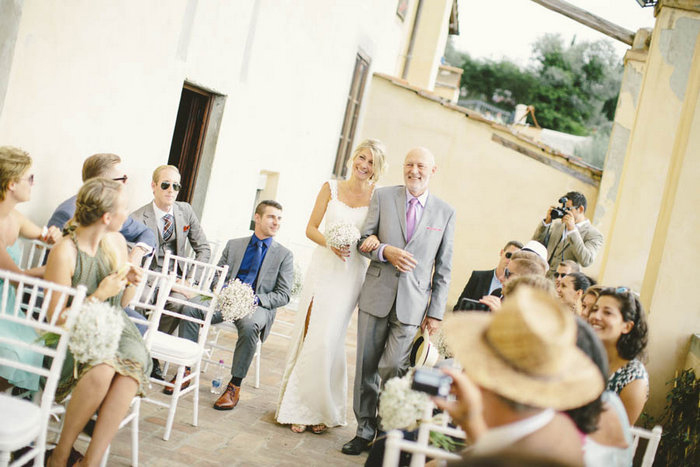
{"x": 411, "y": 218}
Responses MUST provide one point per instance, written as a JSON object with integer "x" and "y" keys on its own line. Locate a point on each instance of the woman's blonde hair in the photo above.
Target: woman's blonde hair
{"x": 96, "y": 197}
{"x": 13, "y": 163}
{"x": 378, "y": 151}
{"x": 530, "y": 280}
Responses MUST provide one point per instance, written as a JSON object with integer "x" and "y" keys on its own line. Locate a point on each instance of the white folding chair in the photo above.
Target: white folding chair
{"x": 36, "y": 255}
{"x": 25, "y": 422}
{"x": 214, "y": 246}
{"x": 653, "y": 436}
{"x": 182, "y": 352}
{"x": 421, "y": 447}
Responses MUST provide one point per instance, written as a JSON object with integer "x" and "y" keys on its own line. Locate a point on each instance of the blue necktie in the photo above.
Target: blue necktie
{"x": 254, "y": 264}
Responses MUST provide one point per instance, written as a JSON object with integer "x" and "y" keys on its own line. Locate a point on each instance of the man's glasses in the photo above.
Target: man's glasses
{"x": 508, "y": 254}
{"x": 559, "y": 275}
{"x": 166, "y": 185}
{"x": 30, "y": 179}
{"x": 508, "y": 273}
{"x": 122, "y": 179}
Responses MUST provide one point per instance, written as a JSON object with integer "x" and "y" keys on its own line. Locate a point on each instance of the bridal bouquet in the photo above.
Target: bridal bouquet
{"x": 95, "y": 333}
{"x": 342, "y": 235}
{"x": 236, "y": 300}
{"x": 400, "y": 407}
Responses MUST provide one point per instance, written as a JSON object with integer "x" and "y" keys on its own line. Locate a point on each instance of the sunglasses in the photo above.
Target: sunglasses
{"x": 30, "y": 179}
{"x": 507, "y": 273}
{"x": 166, "y": 185}
{"x": 559, "y": 275}
{"x": 122, "y": 179}
{"x": 508, "y": 254}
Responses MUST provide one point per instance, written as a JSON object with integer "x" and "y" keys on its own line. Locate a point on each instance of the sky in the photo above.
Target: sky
{"x": 507, "y": 28}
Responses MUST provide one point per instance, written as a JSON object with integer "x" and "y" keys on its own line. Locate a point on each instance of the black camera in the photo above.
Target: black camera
{"x": 431, "y": 381}
{"x": 467, "y": 304}
{"x": 558, "y": 213}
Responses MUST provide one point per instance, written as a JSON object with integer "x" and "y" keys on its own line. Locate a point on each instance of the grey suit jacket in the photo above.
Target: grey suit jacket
{"x": 187, "y": 227}
{"x": 581, "y": 245}
{"x": 423, "y": 290}
{"x": 275, "y": 278}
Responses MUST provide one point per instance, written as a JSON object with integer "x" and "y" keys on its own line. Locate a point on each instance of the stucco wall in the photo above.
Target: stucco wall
{"x": 499, "y": 194}
{"x": 99, "y": 76}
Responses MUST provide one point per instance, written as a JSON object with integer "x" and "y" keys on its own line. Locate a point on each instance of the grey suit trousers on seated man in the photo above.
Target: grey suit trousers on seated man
{"x": 273, "y": 288}
{"x": 393, "y": 304}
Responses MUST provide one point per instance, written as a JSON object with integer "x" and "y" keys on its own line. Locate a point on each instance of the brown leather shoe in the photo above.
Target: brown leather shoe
{"x": 185, "y": 385}
{"x": 229, "y": 399}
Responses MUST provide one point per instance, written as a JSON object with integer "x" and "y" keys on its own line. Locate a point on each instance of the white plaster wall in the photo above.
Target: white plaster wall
{"x": 105, "y": 76}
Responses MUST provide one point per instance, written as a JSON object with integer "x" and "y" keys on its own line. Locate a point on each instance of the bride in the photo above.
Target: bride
{"x": 314, "y": 385}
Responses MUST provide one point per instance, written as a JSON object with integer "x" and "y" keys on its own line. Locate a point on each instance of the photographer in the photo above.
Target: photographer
{"x": 567, "y": 233}
{"x": 483, "y": 283}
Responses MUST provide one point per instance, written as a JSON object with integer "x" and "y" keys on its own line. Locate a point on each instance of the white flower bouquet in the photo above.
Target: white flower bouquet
{"x": 94, "y": 335}
{"x": 342, "y": 235}
{"x": 400, "y": 407}
{"x": 236, "y": 300}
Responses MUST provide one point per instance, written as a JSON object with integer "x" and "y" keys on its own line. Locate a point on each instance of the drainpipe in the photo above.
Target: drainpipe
{"x": 409, "y": 52}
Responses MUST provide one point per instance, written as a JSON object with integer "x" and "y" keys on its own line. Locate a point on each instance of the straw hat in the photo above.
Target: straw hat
{"x": 423, "y": 352}
{"x": 526, "y": 352}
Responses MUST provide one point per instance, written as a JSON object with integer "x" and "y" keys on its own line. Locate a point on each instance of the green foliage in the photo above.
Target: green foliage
{"x": 680, "y": 441}
{"x": 572, "y": 88}
{"x": 445, "y": 442}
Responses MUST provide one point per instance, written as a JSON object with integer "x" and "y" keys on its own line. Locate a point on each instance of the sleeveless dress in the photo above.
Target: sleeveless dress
{"x": 314, "y": 385}
{"x": 15, "y": 377}
{"x": 634, "y": 369}
{"x": 132, "y": 358}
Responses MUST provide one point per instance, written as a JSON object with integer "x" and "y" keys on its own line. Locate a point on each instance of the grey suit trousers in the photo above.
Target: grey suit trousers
{"x": 383, "y": 347}
{"x": 249, "y": 331}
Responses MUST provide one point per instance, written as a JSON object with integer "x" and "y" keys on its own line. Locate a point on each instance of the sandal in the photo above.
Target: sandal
{"x": 298, "y": 428}
{"x": 318, "y": 429}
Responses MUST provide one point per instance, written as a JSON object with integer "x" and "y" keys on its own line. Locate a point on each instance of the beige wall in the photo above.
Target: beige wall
{"x": 499, "y": 194}
{"x": 625, "y": 112}
{"x": 647, "y": 161}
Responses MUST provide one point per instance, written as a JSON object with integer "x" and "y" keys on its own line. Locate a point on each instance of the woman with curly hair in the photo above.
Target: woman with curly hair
{"x": 619, "y": 320}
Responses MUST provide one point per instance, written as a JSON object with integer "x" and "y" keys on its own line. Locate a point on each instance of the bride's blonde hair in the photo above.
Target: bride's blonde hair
{"x": 378, "y": 151}
{"x": 96, "y": 197}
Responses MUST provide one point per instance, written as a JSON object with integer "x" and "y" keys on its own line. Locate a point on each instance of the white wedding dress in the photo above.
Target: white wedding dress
{"x": 314, "y": 385}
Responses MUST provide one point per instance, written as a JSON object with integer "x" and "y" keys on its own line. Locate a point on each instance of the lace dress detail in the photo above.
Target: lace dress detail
{"x": 314, "y": 385}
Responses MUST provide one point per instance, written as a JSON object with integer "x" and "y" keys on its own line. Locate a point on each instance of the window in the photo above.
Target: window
{"x": 352, "y": 112}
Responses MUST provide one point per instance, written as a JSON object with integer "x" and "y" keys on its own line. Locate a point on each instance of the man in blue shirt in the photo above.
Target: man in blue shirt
{"x": 268, "y": 268}
{"x": 108, "y": 166}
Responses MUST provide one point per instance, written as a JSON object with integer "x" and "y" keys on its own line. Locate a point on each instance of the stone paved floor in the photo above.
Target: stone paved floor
{"x": 247, "y": 435}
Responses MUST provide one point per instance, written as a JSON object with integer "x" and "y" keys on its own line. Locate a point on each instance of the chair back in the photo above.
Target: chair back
{"x": 653, "y": 436}
{"x": 149, "y": 301}
{"x": 42, "y": 319}
{"x": 203, "y": 279}
{"x": 36, "y": 255}
{"x": 214, "y": 247}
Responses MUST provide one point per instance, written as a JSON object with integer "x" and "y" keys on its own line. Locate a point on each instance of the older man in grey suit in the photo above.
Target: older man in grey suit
{"x": 405, "y": 285}
{"x": 268, "y": 267}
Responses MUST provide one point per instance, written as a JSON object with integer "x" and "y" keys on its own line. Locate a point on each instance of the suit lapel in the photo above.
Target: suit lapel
{"x": 400, "y": 200}
{"x": 149, "y": 218}
{"x": 238, "y": 252}
{"x": 180, "y": 236}
{"x": 267, "y": 262}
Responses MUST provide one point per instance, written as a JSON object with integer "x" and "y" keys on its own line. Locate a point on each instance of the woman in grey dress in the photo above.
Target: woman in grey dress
{"x": 94, "y": 254}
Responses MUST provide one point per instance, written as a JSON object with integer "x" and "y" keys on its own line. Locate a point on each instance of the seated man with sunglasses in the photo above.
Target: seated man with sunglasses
{"x": 135, "y": 232}
{"x": 174, "y": 224}
{"x": 483, "y": 283}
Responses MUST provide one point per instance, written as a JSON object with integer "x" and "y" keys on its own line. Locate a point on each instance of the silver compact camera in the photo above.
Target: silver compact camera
{"x": 431, "y": 381}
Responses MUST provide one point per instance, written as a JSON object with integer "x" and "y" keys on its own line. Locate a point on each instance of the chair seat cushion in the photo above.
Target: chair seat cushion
{"x": 175, "y": 349}
{"x": 21, "y": 422}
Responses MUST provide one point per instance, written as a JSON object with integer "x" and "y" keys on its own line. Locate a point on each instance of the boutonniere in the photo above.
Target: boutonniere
{"x": 186, "y": 228}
